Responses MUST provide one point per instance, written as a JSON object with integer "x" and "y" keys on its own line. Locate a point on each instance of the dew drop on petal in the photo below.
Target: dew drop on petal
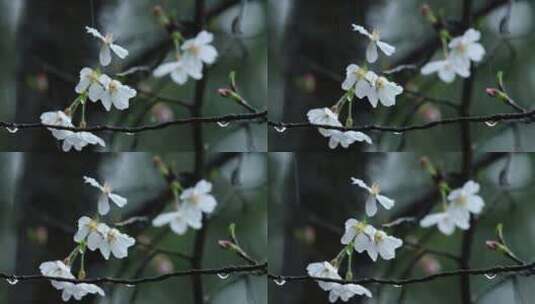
{"x": 279, "y": 281}
{"x": 491, "y": 123}
{"x": 223, "y": 275}
{"x": 280, "y": 129}
{"x": 12, "y": 281}
{"x": 223, "y": 124}
{"x": 12, "y": 130}
{"x": 490, "y": 276}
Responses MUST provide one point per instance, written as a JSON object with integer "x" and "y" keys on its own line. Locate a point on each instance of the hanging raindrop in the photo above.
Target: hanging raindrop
{"x": 279, "y": 281}
{"x": 223, "y": 275}
{"x": 280, "y": 129}
{"x": 130, "y": 133}
{"x": 12, "y": 130}
{"x": 490, "y": 276}
{"x": 129, "y": 285}
{"x": 223, "y": 124}
{"x": 491, "y": 123}
{"x": 397, "y": 285}
{"x": 12, "y": 281}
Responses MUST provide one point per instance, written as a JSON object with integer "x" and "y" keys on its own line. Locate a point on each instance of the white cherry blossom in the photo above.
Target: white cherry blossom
{"x": 323, "y": 270}
{"x": 89, "y": 82}
{"x": 115, "y": 93}
{"x": 178, "y": 222}
{"x": 180, "y": 70}
{"x": 465, "y": 200}
{"x": 375, "y": 41}
{"x": 107, "y": 47}
{"x": 197, "y": 200}
{"x": 78, "y": 291}
{"x": 105, "y": 196}
{"x": 446, "y": 69}
{"x": 346, "y": 138}
{"x": 358, "y": 79}
{"x": 359, "y": 233}
{"x": 323, "y": 116}
{"x": 378, "y": 243}
{"x": 80, "y": 140}
{"x": 57, "y": 118}
{"x": 373, "y": 197}
{"x": 347, "y": 291}
{"x": 56, "y": 269}
{"x": 446, "y": 221}
{"x": 88, "y": 229}
{"x": 114, "y": 242}
{"x": 466, "y": 48}
{"x": 384, "y": 91}
{"x": 199, "y": 50}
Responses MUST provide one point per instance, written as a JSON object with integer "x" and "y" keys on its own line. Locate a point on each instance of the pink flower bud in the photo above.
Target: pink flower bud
{"x": 492, "y": 245}
{"x": 225, "y": 244}
{"x": 224, "y": 92}
{"x": 492, "y": 92}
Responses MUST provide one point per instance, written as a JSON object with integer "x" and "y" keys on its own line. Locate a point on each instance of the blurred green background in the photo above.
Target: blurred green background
{"x": 43, "y": 197}
{"x": 311, "y": 197}
{"x": 45, "y": 42}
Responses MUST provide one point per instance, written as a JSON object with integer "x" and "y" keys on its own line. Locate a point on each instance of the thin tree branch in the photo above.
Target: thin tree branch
{"x": 158, "y": 278}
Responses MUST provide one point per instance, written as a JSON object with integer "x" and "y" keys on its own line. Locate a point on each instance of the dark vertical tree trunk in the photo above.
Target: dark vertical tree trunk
{"x": 50, "y": 33}
{"x": 318, "y": 36}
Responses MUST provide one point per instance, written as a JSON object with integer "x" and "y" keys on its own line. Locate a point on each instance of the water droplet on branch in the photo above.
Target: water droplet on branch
{"x": 280, "y": 129}
{"x": 223, "y": 124}
{"x": 279, "y": 281}
{"x": 12, "y": 281}
{"x": 129, "y": 285}
{"x": 490, "y": 276}
{"x": 12, "y": 130}
{"x": 223, "y": 275}
{"x": 491, "y": 123}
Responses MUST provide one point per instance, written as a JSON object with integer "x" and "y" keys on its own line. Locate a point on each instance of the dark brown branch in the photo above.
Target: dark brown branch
{"x": 158, "y": 278}
{"x": 143, "y": 128}
{"x": 500, "y": 117}
{"x": 440, "y": 275}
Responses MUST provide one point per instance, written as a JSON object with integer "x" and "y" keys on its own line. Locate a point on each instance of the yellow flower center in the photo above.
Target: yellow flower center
{"x": 379, "y": 237}
{"x": 375, "y": 189}
{"x": 376, "y": 35}
{"x": 106, "y": 188}
{"x": 360, "y": 227}
{"x": 108, "y": 39}
{"x": 380, "y": 83}
{"x": 113, "y": 86}
{"x": 360, "y": 74}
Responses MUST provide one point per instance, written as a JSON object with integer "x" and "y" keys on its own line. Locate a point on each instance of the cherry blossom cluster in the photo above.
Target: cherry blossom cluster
{"x": 95, "y": 86}
{"x": 189, "y": 206}
{"x": 458, "y": 55}
{"x": 92, "y": 234}
{"x": 189, "y": 58}
{"x": 360, "y": 83}
{"x": 360, "y": 237}
{"x": 457, "y": 207}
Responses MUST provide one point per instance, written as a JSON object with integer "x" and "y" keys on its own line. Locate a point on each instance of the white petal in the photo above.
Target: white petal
{"x": 386, "y": 48}
{"x": 371, "y": 205}
{"x": 433, "y": 67}
{"x": 119, "y": 51}
{"x": 386, "y": 202}
{"x": 361, "y": 30}
{"x": 103, "y": 205}
{"x": 164, "y": 219}
{"x": 117, "y": 199}
{"x": 105, "y": 55}
{"x": 166, "y": 68}
{"x": 360, "y": 183}
{"x": 94, "y": 32}
{"x": 475, "y": 204}
{"x": 371, "y": 52}
{"x": 208, "y": 54}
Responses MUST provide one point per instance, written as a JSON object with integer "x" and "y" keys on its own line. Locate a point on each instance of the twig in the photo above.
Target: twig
{"x": 158, "y": 278}
{"x": 399, "y": 282}
{"x": 143, "y": 128}
{"x": 447, "y": 121}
